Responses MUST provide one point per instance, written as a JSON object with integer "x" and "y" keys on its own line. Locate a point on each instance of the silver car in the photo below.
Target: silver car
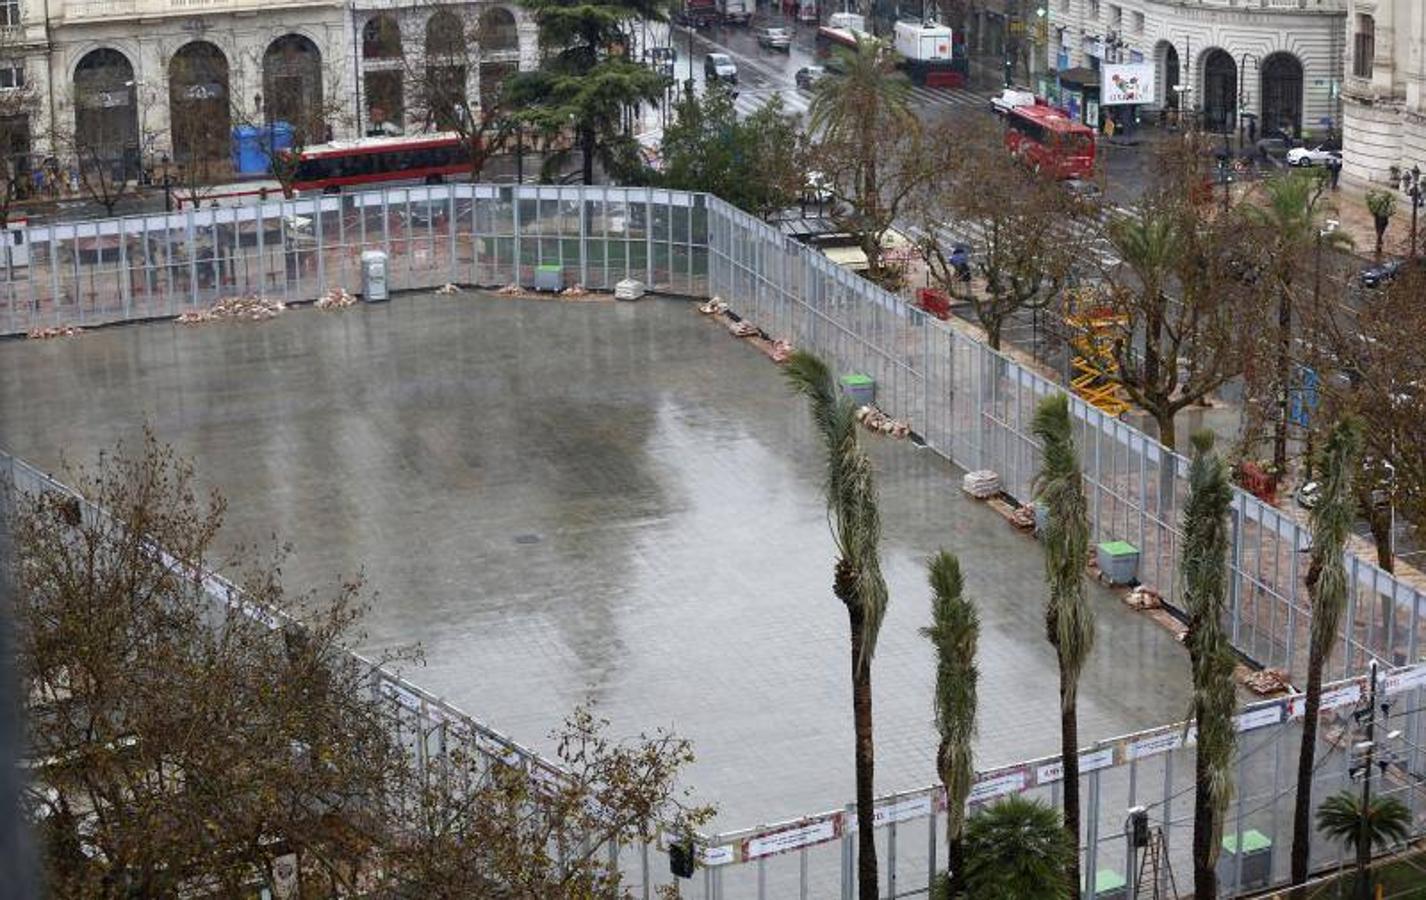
{"x": 775, "y": 37}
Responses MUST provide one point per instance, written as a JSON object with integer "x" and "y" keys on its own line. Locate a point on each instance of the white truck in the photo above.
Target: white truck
{"x": 735, "y": 12}
{"x": 928, "y": 53}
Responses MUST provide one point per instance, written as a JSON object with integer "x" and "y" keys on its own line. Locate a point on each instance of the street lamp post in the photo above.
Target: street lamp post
{"x": 1243, "y": 88}
{"x": 1411, "y": 184}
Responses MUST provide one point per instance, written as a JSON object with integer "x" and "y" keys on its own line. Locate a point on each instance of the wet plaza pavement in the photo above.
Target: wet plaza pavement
{"x": 561, "y": 500}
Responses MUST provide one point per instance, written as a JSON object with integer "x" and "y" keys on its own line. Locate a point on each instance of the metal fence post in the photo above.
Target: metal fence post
{"x": 848, "y": 851}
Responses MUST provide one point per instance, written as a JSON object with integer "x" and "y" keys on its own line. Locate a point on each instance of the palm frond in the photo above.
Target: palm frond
{"x": 1069, "y": 619}
{"x": 1331, "y": 523}
{"x": 1205, "y": 577}
{"x": 954, "y": 632}
{"x": 1343, "y": 817}
{"x": 851, "y": 495}
{"x": 1018, "y": 849}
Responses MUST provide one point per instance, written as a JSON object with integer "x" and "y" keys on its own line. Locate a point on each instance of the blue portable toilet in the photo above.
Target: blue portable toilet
{"x": 248, "y": 156}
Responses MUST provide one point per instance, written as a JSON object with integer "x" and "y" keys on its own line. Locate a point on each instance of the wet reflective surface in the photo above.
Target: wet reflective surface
{"x": 561, "y": 500}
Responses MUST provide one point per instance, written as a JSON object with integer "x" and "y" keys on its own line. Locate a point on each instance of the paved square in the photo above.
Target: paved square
{"x": 561, "y": 500}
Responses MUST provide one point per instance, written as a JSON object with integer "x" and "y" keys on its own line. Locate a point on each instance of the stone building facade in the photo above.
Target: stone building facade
{"x": 1276, "y": 63}
{"x": 161, "y": 77}
{"x": 1385, "y": 97}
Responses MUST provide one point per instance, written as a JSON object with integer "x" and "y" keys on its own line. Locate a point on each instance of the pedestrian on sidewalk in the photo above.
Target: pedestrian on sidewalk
{"x": 1334, "y": 170}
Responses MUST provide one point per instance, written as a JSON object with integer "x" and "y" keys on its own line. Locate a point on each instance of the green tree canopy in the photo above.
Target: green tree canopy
{"x": 754, "y": 163}
{"x": 586, "y": 80}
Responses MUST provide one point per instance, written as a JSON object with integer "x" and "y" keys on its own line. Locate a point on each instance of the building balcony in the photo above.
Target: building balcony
{"x": 1310, "y": 7}
{"x": 100, "y": 10}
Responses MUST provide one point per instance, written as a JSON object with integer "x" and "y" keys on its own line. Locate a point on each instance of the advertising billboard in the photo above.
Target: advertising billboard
{"x": 1123, "y": 84}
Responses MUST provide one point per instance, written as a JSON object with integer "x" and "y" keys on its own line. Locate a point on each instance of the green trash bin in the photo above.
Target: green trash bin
{"x": 549, "y": 278}
{"x": 1109, "y": 885}
{"x": 1119, "y": 561}
{"x": 861, "y": 388}
{"x": 1257, "y": 855}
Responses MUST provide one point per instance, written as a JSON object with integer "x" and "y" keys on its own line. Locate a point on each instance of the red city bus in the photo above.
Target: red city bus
{"x": 426, "y": 157}
{"x": 1047, "y": 140}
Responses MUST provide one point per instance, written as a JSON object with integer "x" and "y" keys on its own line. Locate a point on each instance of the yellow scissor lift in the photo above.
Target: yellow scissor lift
{"x": 1093, "y": 330}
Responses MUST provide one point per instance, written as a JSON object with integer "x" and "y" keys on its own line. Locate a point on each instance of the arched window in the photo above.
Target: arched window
{"x": 106, "y": 123}
{"x": 381, "y": 38}
{"x": 198, "y": 105}
{"x": 1282, "y": 93}
{"x": 292, "y": 87}
{"x": 498, "y": 32}
{"x": 1220, "y": 91}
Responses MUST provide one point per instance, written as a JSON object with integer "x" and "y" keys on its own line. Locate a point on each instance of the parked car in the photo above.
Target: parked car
{"x": 775, "y": 37}
{"x": 1009, "y": 99}
{"x": 720, "y": 67}
{"x": 808, "y": 76}
{"x": 1274, "y": 147}
{"x": 1382, "y": 273}
{"x": 1312, "y": 156}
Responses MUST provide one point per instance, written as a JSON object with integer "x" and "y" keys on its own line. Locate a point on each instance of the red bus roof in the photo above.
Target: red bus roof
{"x": 382, "y": 144}
{"x": 1052, "y": 118}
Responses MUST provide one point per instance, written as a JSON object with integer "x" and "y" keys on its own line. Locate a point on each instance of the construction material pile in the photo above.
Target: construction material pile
{"x": 336, "y": 298}
{"x": 881, "y": 423}
{"x": 1143, "y": 598}
{"x": 1023, "y": 518}
{"x": 714, "y": 307}
{"x": 781, "y": 351}
{"x": 235, "y": 309}
{"x": 981, "y": 484}
{"x": 574, "y": 292}
{"x": 510, "y": 290}
{"x": 1267, "y": 682}
{"x": 448, "y": 289}
{"x": 39, "y": 334}
{"x": 742, "y": 329}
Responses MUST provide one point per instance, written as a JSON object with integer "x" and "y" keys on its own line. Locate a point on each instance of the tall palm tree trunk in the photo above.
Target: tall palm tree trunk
{"x": 867, "y": 884}
{"x": 1069, "y": 759}
{"x": 1205, "y": 874}
{"x": 1302, "y": 810}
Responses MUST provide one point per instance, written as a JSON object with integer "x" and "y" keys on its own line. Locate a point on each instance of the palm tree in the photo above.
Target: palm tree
{"x": 1362, "y": 826}
{"x": 858, "y": 583}
{"x": 1331, "y": 521}
{"x": 954, "y": 630}
{"x": 862, "y": 100}
{"x": 1205, "y": 571}
{"x": 1293, "y": 217}
{"x": 1017, "y": 850}
{"x": 1152, "y": 246}
{"x": 1069, "y": 620}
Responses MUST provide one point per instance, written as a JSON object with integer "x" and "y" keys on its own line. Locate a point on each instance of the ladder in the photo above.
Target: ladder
{"x": 1155, "y": 870}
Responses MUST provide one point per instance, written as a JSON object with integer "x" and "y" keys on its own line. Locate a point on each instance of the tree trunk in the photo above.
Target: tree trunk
{"x": 1380, "y": 225}
{"x": 867, "y": 884}
{"x": 586, "y": 146}
{"x": 1380, "y": 523}
{"x": 1363, "y": 880}
{"x": 1164, "y": 420}
{"x": 993, "y": 327}
{"x": 956, "y": 862}
{"x": 1302, "y": 812}
{"x": 1284, "y": 362}
{"x": 1069, "y": 760}
{"x": 1205, "y": 878}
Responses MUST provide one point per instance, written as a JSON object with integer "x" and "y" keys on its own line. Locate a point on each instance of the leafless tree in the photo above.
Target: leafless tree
{"x": 1024, "y": 239}
{"x": 187, "y": 747}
